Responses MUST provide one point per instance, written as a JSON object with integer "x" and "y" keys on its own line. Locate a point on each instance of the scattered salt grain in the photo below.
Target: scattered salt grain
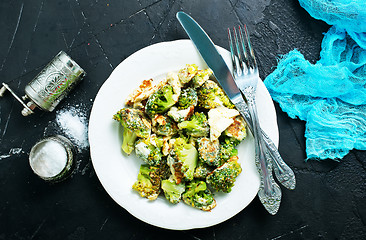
{"x": 73, "y": 123}
{"x": 15, "y": 151}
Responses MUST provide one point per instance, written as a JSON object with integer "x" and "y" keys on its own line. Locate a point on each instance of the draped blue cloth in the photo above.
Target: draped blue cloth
{"x": 329, "y": 95}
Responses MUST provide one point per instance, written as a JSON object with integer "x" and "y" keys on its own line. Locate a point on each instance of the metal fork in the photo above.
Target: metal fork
{"x": 246, "y": 76}
{"x": 283, "y": 172}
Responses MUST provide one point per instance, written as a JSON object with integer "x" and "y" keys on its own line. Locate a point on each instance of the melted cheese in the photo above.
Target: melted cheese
{"x": 219, "y": 119}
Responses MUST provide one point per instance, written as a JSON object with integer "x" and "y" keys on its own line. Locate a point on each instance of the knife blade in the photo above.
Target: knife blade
{"x": 211, "y": 56}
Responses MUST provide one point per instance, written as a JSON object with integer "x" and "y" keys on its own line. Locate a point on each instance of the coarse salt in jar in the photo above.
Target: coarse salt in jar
{"x": 52, "y": 158}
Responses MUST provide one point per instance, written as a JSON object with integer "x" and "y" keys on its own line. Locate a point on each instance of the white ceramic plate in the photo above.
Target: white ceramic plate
{"x": 117, "y": 172}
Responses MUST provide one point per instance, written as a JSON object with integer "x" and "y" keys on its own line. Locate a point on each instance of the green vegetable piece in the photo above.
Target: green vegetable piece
{"x": 160, "y": 101}
{"x": 197, "y": 126}
{"x": 202, "y": 170}
{"x": 187, "y": 98}
{"x": 182, "y": 160}
{"x": 129, "y": 138}
{"x": 223, "y": 177}
{"x": 237, "y": 130}
{"x": 210, "y": 95}
{"x": 180, "y": 115}
{"x": 199, "y": 196}
{"x": 148, "y": 152}
{"x": 135, "y": 124}
{"x": 172, "y": 191}
{"x": 227, "y": 149}
{"x": 201, "y": 77}
{"x": 187, "y": 73}
{"x": 163, "y": 125}
{"x": 209, "y": 151}
{"x": 148, "y": 182}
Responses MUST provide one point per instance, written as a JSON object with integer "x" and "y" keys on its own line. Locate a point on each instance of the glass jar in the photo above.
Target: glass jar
{"x": 52, "y": 158}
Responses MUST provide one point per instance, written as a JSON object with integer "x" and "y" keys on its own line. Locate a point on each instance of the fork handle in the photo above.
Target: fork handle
{"x": 283, "y": 172}
{"x": 270, "y": 195}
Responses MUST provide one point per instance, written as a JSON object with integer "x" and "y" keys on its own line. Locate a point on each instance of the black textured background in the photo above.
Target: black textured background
{"x": 328, "y": 203}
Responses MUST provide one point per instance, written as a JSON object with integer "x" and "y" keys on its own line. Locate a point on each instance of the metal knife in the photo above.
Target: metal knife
{"x": 270, "y": 199}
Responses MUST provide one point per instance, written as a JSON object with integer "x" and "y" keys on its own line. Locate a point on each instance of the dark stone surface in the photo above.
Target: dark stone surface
{"x": 328, "y": 203}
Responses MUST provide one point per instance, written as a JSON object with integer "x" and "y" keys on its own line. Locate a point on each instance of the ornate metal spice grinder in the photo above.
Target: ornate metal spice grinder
{"x": 50, "y": 86}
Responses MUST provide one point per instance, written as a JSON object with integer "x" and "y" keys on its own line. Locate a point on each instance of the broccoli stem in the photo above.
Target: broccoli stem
{"x": 129, "y": 138}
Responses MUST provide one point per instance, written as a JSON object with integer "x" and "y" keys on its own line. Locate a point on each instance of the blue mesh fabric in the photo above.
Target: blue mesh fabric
{"x": 329, "y": 95}
{"x": 346, "y": 14}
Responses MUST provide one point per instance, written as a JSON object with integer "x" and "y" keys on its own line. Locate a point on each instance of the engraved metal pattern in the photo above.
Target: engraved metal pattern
{"x": 271, "y": 199}
{"x": 283, "y": 172}
{"x": 269, "y": 192}
{"x": 54, "y": 82}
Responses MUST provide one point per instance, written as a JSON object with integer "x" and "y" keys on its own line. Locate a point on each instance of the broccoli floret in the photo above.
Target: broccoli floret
{"x": 186, "y": 74}
{"x": 164, "y": 169}
{"x": 197, "y": 126}
{"x": 128, "y": 140}
{"x": 227, "y": 149}
{"x": 187, "y": 98}
{"x": 237, "y": 130}
{"x": 148, "y": 151}
{"x": 202, "y": 170}
{"x": 209, "y": 151}
{"x": 180, "y": 115}
{"x": 135, "y": 124}
{"x": 164, "y": 125}
{"x": 160, "y": 101}
{"x": 201, "y": 77}
{"x": 148, "y": 182}
{"x": 182, "y": 160}
{"x": 223, "y": 177}
{"x": 172, "y": 191}
{"x": 210, "y": 95}
{"x": 199, "y": 196}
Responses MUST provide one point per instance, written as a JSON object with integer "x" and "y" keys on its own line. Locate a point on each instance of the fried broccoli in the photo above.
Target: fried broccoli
{"x": 237, "y": 130}
{"x": 202, "y": 170}
{"x": 187, "y": 73}
{"x": 182, "y": 160}
{"x": 187, "y": 98}
{"x": 201, "y": 77}
{"x": 172, "y": 191}
{"x": 197, "y": 126}
{"x": 148, "y": 151}
{"x": 135, "y": 124}
{"x": 180, "y": 115}
{"x": 227, "y": 149}
{"x": 148, "y": 182}
{"x": 185, "y": 130}
{"x": 223, "y": 177}
{"x": 210, "y": 95}
{"x": 209, "y": 151}
{"x": 160, "y": 101}
{"x": 199, "y": 196}
{"x": 164, "y": 169}
{"x": 163, "y": 125}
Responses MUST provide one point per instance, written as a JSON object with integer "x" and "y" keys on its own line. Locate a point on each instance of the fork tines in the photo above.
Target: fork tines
{"x": 244, "y": 57}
